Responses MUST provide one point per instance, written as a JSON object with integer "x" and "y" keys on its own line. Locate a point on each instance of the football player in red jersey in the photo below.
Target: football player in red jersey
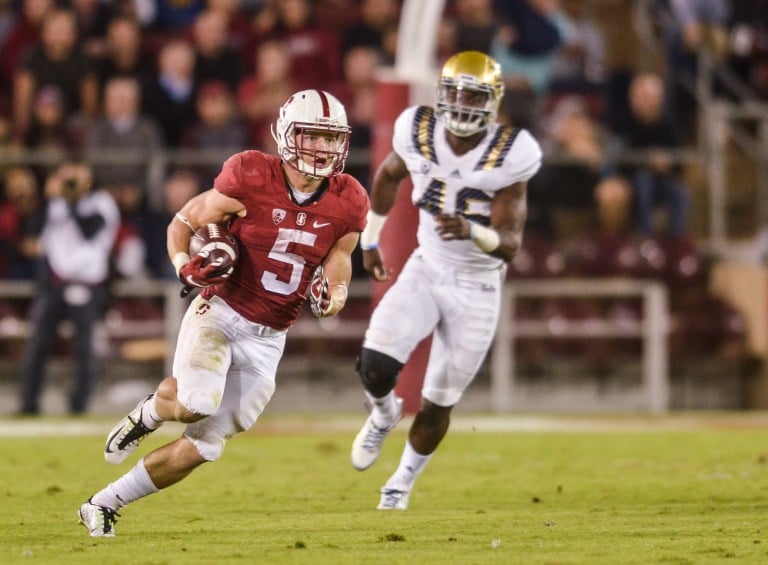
{"x": 298, "y": 220}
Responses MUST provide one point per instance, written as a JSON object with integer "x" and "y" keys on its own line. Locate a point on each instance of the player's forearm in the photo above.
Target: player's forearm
{"x": 509, "y": 244}
{"x": 386, "y": 182}
{"x": 338, "y": 271}
{"x": 384, "y": 193}
{"x": 178, "y": 235}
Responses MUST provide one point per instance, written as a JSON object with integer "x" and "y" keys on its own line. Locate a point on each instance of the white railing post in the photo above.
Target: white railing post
{"x": 655, "y": 358}
{"x": 503, "y": 354}
{"x": 652, "y": 330}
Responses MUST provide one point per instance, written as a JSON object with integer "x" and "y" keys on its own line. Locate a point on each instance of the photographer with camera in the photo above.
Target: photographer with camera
{"x": 75, "y": 246}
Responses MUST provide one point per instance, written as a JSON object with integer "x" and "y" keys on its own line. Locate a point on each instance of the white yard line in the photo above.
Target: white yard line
{"x": 50, "y": 427}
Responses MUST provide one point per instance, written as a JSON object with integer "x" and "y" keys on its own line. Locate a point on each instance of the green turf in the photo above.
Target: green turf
{"x": 645, "y": 496}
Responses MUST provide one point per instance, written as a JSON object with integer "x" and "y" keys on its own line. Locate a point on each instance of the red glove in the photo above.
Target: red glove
{"x": 195, "y": 274}
{"x": 319, "y": 297}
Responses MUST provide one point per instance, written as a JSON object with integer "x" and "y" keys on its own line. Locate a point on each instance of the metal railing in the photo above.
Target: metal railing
{"x": 651, "y": 329}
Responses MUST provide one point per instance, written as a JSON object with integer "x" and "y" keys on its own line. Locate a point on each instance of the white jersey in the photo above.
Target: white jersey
{"x": 444, "y": 182}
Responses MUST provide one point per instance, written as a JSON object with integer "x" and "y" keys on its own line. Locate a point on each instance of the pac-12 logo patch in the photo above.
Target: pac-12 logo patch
{"x": 278, "y": 215}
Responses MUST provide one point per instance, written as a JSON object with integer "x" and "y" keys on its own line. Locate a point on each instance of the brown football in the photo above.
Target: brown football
{"x": 217, "y": 246}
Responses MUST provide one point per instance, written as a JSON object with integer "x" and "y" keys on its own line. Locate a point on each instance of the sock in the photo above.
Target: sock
{"x": 384, "y": 409}
{"x": 411, "y": 465}
{"x": 149, "y": 416}
{"x": 134, "y": 485}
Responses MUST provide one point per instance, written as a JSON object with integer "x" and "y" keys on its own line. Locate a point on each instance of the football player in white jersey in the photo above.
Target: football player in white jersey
{"x": 470, "y": 178}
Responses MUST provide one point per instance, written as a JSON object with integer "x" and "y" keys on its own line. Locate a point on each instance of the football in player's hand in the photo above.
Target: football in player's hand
{"x": 217, "y": 246}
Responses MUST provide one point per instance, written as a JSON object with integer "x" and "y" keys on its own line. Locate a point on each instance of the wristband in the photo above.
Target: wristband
{"x": 369, "y": 239}
{"x": 487, "y": 239}
{"x": 179, "y": 260}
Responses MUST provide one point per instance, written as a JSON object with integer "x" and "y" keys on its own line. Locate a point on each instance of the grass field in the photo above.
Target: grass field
{"x": 684, "y": 489}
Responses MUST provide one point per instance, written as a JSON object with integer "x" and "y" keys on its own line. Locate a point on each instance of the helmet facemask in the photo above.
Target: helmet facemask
{"x": 469, "y": 93}
{"x": 317, "y": 152}
{"x": 312, "y": 134}
{"x": 465, "y": 108}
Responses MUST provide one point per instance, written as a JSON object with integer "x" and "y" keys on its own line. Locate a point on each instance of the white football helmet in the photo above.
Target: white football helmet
{"x": 313, "y": 111}
{"x": 469, "y": 92}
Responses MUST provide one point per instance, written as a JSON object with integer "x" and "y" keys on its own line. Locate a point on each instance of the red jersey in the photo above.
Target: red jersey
{"x": 281, "y": 241}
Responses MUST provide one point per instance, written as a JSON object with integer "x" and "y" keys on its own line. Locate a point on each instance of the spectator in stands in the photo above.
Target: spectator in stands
{"x": 76, "y": 241}
{"x": 377, "y": 17}
{"x": 476, "y": 25}
{"x": 21, "y": 216}
{"x": 525, "y": 46}
{"x": 129, "y": 251}
{"x": 610, "y": 249}
{"x": 9, "y": 17}
{"x": 531, "y": 28}
{"x": 260, "y": 95}
{"x": 93, "y": 17}
{"x": 239, "y": 34}
{"x": 660, "y": 179}
{"x": 56, "y": 61}
{"x": 577, "y": 148}
{"x": 123, "y": 52}
{"x": 217, "y": 128}
{"x": 179, "y": 187}
{"x": 314, "y": 53}
{"x": 579, "y": 64}
{"x": 126, "y": 136}
{"x": 169, "y": 96}
{"x": 175, "y": 16}
{"x": 215, "y": 60}
{"x": 749, "y": 45}
{"x": 25, "y": 33}
{"x": 357, "y": 91}
{"x": 686, "y": 27}
{"x": 50, "y": 130}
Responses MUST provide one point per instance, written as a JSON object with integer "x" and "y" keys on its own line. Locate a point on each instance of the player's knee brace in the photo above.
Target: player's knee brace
{"x": 378, "y": 372}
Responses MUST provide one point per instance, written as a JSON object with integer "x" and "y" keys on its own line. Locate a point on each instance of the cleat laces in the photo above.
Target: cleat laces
{"x": 391, "y": 498}
{"x": 374, "y": 437}
{"x": 108, "y": 517}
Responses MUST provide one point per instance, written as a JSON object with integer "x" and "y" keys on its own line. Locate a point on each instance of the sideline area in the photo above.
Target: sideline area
{"x": 53, "y": 426}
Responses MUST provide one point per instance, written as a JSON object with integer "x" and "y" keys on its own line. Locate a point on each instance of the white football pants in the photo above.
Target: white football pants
{"x": 225, "y": 366}
{"x": 459, "y": 308}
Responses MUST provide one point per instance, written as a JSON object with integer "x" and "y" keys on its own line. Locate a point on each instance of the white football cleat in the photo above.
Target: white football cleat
{"x": 394, "y": 498}
{"x": 126, "y": 435}
{"x": 367, "y": 445}
{"x": 100, "y": 520}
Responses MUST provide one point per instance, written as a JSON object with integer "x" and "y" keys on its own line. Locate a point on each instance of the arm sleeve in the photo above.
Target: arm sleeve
{"x": 401, "y": 132}
{"x": 229, "y": 180}
{"x": 525, "y": 157}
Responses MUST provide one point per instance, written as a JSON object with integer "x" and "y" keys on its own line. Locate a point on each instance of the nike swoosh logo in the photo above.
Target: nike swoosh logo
{"x": 316, "y": 225}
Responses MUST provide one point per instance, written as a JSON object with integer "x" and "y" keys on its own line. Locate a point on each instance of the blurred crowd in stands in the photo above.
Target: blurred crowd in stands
{"x": 114, "y": 82}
